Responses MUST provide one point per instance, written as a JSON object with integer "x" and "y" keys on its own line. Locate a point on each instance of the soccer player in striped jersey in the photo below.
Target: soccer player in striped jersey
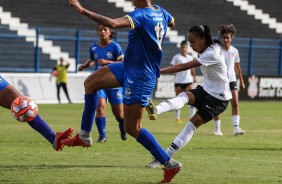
{"x": 148, "y": 25}
{"x": 232, "y": 60}
{"x": 102, "y": 53}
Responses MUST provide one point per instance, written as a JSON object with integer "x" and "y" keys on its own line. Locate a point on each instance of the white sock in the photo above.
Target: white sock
{"x": 217, "y": 125}
{"x": 84, "y": 134}
{"x": 182, "y": 139}
{"x": 236, "y": 121}
{"x": 192, "y": 111}
{"x": 173, "y": 104}
{"x": 177, "y": 114}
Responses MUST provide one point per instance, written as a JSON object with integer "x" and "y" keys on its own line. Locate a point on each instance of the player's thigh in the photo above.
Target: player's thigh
{"x": 189, "y": 86}
{"x": 7, "y": 95}
{"x": 100, "y": 79}
{"x": 178, "y": 90}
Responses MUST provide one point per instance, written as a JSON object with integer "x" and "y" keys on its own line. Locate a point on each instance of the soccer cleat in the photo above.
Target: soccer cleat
{"x": 170, "y": 170}
{"x": 218, "y": 133}
{"x": 101, "y": 139}
{"x": 77, "y": 141}
{"x": 60, "y": 136}
{"x": 178, "y": 120}
{"x": 238, "y": 131}
{"x": 123, "y": 134}
{"x": 154, "y": 164}
{"x": 151, "y": 110}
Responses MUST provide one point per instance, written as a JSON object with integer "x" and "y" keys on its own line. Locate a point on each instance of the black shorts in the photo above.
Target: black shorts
{"x": 233, "y": 85}
{"x": 207, "y": 105}
{"x": 182, "y": 86}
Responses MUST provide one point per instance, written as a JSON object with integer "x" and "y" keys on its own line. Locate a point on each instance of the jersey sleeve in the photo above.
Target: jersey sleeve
{"x": 168, "y": 16}
{"x": 208, "y": 58}
{"x": 119, "y": 53}
{"x": 237, "y": 57}
{"x": 174, "y": 60}
{"x": 135, "y": 19}
{"x": 91, "y": 54}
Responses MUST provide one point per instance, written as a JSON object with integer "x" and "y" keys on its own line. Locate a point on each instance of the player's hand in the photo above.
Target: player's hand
{"x": 80, "y": 67}
{"x": 242, "y": 86}
{"x": 76, "y": 5}
{"x": 101, "y": 61}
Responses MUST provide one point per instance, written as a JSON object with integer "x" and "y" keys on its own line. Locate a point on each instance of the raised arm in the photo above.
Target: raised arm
{"x": 106, "y": 21}
{"x": 181, "y": 67}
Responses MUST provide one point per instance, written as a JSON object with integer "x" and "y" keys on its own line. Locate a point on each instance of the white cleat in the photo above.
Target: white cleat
{"x": 238, "y": 131}
{"x": 218, "y": 133}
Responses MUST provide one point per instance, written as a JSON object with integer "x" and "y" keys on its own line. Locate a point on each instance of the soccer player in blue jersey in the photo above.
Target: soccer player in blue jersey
{"x": 103, "y": 53}
{"x": 137, "y": 74}
{"x": 9, "y": 93}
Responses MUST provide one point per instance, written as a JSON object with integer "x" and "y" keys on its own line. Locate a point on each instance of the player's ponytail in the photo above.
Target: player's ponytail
{"x": 208, "y": 35}
{"x": 204, "y": 32}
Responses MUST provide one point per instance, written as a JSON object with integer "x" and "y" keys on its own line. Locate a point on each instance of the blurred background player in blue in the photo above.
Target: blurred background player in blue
{"x": 232, "y": 60}
{"x": 183, "y": 80}
{"x": 9, "y": 93}
{"x": 137, "y": 74}
{"x": 103, "y": 53}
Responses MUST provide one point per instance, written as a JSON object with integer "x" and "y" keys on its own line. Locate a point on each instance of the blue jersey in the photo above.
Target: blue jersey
{"x": 111, "y": 52}
{"x": 3, "y": 83}
{"x": 144, "y": 52}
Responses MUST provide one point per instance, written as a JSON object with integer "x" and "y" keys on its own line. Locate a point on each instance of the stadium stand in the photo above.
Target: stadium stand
{"x": 58, "y": 22}
{"x": 270, "y": 7}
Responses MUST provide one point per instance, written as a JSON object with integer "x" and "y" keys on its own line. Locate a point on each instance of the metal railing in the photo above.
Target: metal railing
{"x": 255, "y": 53}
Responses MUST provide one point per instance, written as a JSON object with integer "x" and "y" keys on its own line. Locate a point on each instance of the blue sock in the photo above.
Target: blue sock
{"x": 43, "y": 128}
{"x": 101, "y": 125}
{"x": 90, "y": 105}
{"x": 150, "y": 143}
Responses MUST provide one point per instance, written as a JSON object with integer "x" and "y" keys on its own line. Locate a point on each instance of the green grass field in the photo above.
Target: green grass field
{"x": 256, "y": 157}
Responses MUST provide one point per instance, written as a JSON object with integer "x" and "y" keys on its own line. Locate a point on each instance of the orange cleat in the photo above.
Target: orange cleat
{"x": 61, "y": 136}
{"x": 77, "y": 141}
{"x": 169, "y": 173}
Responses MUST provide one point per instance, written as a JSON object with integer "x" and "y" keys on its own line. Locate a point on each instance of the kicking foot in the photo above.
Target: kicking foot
{"x": 77, "y": 141}
{"x": 170, "y": 170}
{"x": 58, "y": 145}
{"x": 151, "y": 110}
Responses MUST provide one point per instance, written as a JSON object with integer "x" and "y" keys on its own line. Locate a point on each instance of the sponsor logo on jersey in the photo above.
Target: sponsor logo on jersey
{"x": 109, "y": 55}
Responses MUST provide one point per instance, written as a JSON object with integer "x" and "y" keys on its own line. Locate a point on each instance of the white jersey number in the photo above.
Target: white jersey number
{"x": 159, "y": 28}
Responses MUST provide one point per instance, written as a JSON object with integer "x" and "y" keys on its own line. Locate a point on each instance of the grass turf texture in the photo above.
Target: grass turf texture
{"x": 255, "y": 157}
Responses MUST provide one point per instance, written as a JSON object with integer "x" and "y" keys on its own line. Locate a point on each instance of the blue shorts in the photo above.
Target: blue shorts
{"x": 114, "y": 95}
{"x": 3, "y": 83}
{"x": 135, "y": 90}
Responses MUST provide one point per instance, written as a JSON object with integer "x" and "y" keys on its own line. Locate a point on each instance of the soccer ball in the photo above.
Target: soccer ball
{"x": 24, "y": 109}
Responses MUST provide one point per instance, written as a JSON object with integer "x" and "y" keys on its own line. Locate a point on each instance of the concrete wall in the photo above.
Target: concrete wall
{"x": 42, "y": 90}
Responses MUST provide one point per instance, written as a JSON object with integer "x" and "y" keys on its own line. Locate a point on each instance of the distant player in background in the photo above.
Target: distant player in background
{"x": 183, "y": 80}
{"x": 60, "y": 71}
{"x": 232, "y": 60}
{"x": 103, "y": 53}
{"x": 9, "y": 93}
{"x": 137, "y": 74}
